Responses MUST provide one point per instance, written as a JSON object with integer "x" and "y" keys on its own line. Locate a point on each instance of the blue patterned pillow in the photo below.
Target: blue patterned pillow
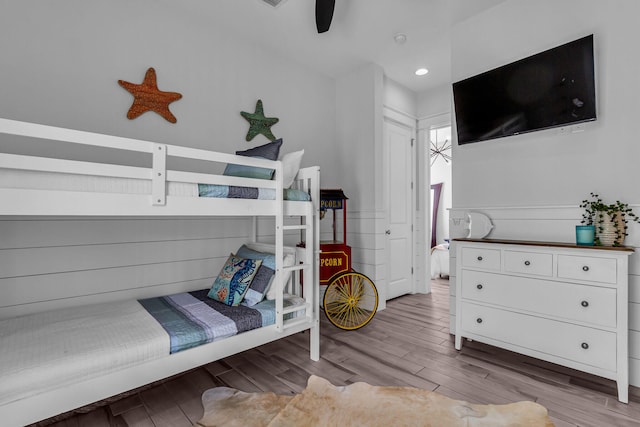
{"x": 234, "y": 280}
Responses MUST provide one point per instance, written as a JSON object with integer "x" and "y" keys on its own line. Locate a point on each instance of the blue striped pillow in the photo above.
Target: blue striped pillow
{"x": 264, "y": 276}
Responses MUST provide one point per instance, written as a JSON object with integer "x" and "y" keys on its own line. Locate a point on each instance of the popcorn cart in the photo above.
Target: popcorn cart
{"x": 350, "y": 298}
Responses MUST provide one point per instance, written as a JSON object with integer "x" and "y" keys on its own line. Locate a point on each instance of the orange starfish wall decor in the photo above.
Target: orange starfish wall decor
{"x": 147, "y": 97}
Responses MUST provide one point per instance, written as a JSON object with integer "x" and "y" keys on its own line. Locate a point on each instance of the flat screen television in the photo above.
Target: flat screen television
{"x": 550, "y": 89}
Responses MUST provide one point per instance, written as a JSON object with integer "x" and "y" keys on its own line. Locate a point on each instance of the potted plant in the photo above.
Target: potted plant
{"x": 609, "y": 220}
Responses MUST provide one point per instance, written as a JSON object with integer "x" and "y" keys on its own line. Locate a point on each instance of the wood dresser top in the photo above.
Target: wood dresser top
{"x": 553, "y": 244}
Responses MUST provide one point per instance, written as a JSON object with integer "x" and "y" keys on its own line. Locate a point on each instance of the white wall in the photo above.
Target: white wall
{"x": 61, "y": 62}
{"x": 434, "y": 102}
{"x": 399, "y": 98}
{"x": 548, "y": 167}
{"x": 359, "y": 97}
{"x": 434, "y": 110}
{"x": 530, "y": 185}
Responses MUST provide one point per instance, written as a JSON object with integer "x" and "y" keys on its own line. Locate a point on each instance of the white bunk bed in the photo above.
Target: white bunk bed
{"x": 156, "y": 199}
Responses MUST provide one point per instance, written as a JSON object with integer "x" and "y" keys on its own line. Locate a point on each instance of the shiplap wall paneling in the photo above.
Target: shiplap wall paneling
{"x": 634, "y": 318}
{"x": 29, "y": 233}
{"x": 367, "y": 241}
{"x": 47, "y": 264}
{"x": 38, "y": 293}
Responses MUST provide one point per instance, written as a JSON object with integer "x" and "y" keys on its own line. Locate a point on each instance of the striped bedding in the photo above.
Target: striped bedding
{"x": 192, "y": 319}
{"x": 88, "y": 341}
{"x": 233, "y": 192}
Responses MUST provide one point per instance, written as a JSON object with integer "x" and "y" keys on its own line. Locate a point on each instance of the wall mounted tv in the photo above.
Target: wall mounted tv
{"x": 550, "y": 89}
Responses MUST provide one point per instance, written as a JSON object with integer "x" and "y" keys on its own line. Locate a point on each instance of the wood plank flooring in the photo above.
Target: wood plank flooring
{"x": 408, "y": 344}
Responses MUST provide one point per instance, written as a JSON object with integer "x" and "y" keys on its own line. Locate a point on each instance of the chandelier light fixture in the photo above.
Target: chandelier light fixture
{"x": 443, "y": 151}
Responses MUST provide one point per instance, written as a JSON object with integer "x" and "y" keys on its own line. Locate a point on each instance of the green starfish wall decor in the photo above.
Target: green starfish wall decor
{"x": 258, "y": 123}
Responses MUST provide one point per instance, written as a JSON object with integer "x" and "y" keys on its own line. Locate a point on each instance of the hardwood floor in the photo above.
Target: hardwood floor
{"x": 408, "y": 344}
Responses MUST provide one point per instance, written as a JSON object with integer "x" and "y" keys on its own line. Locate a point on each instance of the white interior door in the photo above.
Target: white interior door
{"x": 398, "y": 173}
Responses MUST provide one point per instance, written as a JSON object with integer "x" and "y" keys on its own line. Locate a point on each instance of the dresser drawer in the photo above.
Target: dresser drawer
{"x": 540, "y": 264}
{"x": 580, "y": 344}
{"x": 487, "y": 259}
{"x": 591, "y": 269}
{"x": 588, "y": 304}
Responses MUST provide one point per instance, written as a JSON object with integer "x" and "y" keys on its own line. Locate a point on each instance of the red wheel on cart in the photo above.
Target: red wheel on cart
{"x": 350, "y": 300}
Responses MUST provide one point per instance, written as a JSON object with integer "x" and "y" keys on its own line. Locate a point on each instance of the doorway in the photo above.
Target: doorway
{"x": 436, "y": 140}
{"x": 440, "y": 177}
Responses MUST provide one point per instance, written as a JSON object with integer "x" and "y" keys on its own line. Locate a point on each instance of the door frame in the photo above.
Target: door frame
{"x": 424, "y": 126}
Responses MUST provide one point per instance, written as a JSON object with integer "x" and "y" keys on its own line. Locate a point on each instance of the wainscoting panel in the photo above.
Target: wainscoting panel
{"x": 51, "y": 263}
{"x": 109, "y": 279}
{"x": 634, "y": 371}
{"x": 365, "y": 235}
{"x": 66, "y": 232}
{"x": 634, "y": 281}
{"x": 59, "y": 259}
{"x": 634, "y": 317}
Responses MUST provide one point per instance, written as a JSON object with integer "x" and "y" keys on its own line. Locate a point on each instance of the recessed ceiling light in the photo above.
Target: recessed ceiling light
{"x": 421, "y": 71}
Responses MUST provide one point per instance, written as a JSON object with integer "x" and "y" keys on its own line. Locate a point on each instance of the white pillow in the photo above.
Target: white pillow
{"x": 290, "y": 166}
{"x": 289, "y": 260}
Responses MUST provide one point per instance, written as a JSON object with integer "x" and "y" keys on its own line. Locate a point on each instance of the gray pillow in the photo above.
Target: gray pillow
{"x": 268, "y": 151}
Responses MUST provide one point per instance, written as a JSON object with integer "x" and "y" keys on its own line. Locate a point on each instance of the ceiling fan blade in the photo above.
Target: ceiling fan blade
{"x": 324, "y": 14}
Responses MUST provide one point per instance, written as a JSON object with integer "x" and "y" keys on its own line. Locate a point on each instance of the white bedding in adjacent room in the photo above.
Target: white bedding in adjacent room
{"x": 440, "y": 261}
{"x": 66, "y": 346}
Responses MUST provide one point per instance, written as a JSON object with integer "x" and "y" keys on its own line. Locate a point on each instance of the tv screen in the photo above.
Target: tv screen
{"x": 549, "y": 89}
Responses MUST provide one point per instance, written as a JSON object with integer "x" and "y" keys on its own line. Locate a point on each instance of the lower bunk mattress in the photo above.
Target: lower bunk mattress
{"x": 44, "y": 351}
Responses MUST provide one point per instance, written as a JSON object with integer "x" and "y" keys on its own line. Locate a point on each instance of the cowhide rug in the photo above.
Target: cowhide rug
{"x": 360, "y": 404}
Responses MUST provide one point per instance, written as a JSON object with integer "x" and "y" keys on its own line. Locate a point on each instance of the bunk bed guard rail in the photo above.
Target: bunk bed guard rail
{"x": 157, "y": 173}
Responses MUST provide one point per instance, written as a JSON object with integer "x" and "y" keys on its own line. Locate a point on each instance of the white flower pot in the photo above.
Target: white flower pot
{"x": 607, "y": 231}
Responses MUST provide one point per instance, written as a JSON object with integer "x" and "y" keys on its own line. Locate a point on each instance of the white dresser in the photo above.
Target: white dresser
{"x": 559, "y": 302}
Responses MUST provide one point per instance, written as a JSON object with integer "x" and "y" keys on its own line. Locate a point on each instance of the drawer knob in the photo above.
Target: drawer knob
{"x": 584, "y": 345}
{"x": 479, "y": 286}
{"x": 585, "y": 268}
{"x": 479, "y": 258}
{"x": 479, "y": 320}
{"x": 527, "y": 263}
{"x": 585, "y": 303}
